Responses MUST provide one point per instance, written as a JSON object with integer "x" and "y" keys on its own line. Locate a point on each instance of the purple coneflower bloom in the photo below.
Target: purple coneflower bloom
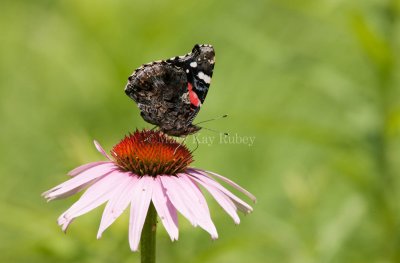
{"x": 147, "y": 168}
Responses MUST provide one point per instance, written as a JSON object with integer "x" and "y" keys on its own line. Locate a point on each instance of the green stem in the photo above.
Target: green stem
{"x": 148, "y": 239}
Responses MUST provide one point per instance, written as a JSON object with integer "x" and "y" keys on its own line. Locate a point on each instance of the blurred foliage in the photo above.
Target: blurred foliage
{"x": 316, "y": 82}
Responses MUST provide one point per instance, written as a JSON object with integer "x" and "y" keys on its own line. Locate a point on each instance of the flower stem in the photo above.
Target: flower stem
{"x": 148, "y": 239}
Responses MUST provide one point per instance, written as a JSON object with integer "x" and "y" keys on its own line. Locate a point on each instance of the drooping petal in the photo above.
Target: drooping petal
{"x": 94, "y": 196}
{"x": 165, "y": 210}
{"x": 141, "y": 198}
{"x": 228, "y": 181}
{"x": 204, "y": 217}
{"x": 241, "y": 205}
{"x": 101, "y": 150}
{"x": 192, "y": 199}
{"x": 224, "y": 201}
{"x": 76, "y": 190}
{"x": 84, "y": 167}
{"x": 118, "y": 203}
{"x": 68, "y": 188}
{"x": 172, "y": 191}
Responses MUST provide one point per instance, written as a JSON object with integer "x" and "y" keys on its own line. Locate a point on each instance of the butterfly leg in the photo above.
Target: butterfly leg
{"x": 183, "y": 141}
{"x": 197, "y": 143}
{"x": 148, "y": 138}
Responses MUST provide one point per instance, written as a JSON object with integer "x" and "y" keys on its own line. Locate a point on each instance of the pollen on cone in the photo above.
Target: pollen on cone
{"x": 151, "y": 153}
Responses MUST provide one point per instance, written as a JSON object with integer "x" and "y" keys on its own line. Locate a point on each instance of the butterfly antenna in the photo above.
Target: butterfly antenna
{"x": 197, "y": 143}
{"x": 224, "y": 133}
{"x": 213, "y": 119}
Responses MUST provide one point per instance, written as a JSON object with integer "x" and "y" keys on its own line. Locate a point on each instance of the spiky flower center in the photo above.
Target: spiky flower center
{"x": 151, "y": 153}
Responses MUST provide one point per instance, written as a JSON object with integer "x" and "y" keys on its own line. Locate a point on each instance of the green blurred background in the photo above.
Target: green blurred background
{"x": 316, "y": 82}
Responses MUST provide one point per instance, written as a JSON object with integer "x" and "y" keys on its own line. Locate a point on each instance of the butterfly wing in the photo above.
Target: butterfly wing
{"x": 170, "y": 93}
{"x": 161, "y": 93}
{"x": 198, "y": 66}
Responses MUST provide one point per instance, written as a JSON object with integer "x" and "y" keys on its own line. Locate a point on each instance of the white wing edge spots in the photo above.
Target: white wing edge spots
{"x": 204, "y": 77}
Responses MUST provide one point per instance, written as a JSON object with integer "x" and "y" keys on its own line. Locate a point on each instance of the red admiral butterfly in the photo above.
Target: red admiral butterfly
{"x": 169, "y": 93}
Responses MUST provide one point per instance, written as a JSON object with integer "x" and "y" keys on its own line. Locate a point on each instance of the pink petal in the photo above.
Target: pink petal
{"x": 165, "y": 210}
{"x": 193, "y": 201}
{"x": 228, "y": 181}
{"x": 203, "y": 213}
{"x": 221, "y": 199}
{"x": 84, "y": 167}
{"x": 117, "y": 204}
{"x": 141, "y": 198}
{"x": 244, "y": 207}
{"x": 69, "y": 187}
{"x": 94, "y": 196}
{"x": 172, "y": 191}
{"x": 76, "y": 190}
{"x": 101, "y": 150}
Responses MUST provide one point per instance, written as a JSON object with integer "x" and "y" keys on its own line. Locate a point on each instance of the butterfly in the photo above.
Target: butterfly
{"x": 170, "y": 93}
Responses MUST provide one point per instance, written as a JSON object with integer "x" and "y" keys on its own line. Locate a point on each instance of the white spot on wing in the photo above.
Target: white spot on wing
{"x": 185, "y": 98}
{"x": 204, "y": 77}
{"x": 193, "y": 64}
{"x": 187, "y": 71}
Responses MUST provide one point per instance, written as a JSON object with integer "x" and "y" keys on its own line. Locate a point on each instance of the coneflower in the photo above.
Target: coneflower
{"x": 150, "y": 172}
